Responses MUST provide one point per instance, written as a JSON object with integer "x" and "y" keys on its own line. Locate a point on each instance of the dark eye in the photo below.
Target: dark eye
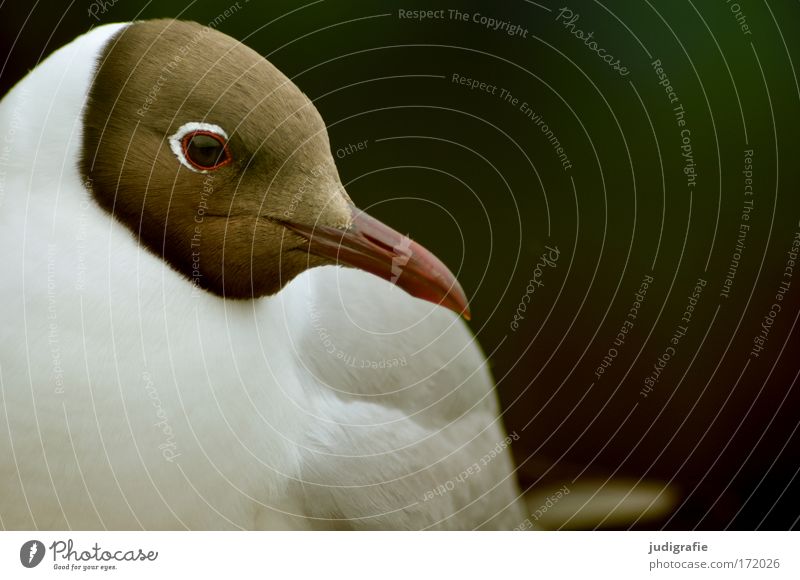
{"x": 205, "y": 150}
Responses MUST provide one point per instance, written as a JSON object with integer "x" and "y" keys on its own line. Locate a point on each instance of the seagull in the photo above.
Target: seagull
{"x": 199, "y": 328}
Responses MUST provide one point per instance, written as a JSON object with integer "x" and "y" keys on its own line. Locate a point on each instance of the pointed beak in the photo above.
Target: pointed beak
{"x": 374, "y": 247}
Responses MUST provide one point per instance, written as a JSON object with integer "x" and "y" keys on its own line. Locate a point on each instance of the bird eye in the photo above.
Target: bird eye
{"x": 205, "y": 150}
{"x": 200, "y": 147}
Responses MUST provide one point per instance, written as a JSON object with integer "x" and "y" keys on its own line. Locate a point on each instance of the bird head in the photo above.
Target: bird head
{"x": 220, "y": 165}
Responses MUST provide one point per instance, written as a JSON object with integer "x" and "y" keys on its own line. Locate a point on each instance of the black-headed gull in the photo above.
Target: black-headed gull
{"x": 149, "y": 170}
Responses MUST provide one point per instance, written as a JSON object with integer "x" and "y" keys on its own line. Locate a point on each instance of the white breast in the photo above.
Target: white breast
{"x": 130, "y": 399}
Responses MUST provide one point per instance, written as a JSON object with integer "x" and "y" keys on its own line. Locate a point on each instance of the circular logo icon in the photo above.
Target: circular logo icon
{"x": 31, "y": 553}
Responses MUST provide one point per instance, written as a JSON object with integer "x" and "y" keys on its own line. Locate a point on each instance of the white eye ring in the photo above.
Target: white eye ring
{"x": 176, "y": 140}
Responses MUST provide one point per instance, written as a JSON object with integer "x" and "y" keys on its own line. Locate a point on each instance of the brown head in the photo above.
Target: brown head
{"x": 220, "y": 165}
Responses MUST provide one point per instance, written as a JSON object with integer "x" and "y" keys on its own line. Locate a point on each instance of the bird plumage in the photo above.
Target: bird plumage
{"x": 131, "y": 398}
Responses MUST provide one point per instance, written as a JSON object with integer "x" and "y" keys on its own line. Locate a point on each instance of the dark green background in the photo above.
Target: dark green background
{"x": 472, "y": 178}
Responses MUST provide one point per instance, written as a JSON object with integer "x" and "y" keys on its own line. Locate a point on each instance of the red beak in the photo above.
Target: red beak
{"x": 376, "y": 248}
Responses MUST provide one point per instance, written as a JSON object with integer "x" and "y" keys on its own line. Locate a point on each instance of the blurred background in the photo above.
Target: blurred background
{"x": 627, "y": 142}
